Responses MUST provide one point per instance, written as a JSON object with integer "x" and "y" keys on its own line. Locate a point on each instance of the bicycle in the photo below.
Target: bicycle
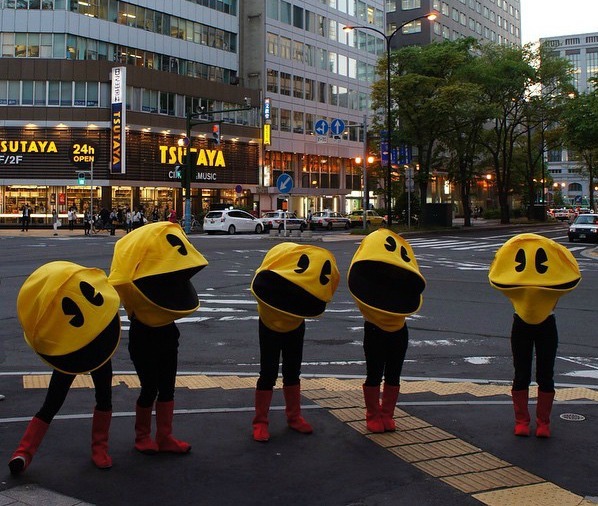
{"x": 195, "y": 224}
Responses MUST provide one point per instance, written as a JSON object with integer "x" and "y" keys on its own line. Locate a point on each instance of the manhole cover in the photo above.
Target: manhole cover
{"x": 573, "y": 417}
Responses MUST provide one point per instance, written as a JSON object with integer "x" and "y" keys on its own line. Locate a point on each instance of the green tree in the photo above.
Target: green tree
{"x": 548, "y": 94}
{"x": 417, "y": 74}
{"x": 504, "y": 75}
{"x": 580, "y": 121}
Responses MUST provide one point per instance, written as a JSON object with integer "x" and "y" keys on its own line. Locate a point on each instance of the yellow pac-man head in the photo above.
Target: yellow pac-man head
{"x": 70, "y": 316}
{"x": 294, "y": 282}
{"x": 152, "y": 269}
{"x": 533, "y": 272}
{"x": 384, "y": 279}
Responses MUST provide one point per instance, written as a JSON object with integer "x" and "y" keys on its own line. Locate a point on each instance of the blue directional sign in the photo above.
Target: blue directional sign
{"x": 321, "y": 127}
{"x": 284, "y": 183}
{"x": 337, "y": 126}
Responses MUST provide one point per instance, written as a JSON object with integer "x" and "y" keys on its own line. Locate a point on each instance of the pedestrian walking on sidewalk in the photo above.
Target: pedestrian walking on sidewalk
{"x": 25, "y": 218}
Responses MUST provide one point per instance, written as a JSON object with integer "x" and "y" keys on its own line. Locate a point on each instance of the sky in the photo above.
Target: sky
{"x": 550, "y": 18}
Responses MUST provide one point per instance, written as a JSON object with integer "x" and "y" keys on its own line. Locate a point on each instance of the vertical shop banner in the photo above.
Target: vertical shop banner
{"x": 118, "y": 120}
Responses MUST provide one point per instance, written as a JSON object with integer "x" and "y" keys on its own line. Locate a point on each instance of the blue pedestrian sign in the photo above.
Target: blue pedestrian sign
{"x": 284, "y": 183}
{"x": 321, "y": 127}
{"x": 337, "y": 127}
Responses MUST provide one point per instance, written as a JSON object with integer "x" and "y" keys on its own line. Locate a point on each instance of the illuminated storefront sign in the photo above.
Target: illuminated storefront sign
{"x": 267, "y": 134}
{"x": 12, "y": 152}
{"x": 175, "y": 155}
{"x": 118, "y": 121}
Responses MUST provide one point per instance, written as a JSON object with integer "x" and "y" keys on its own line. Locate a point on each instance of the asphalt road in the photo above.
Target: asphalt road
{"x": 459, "y": 337}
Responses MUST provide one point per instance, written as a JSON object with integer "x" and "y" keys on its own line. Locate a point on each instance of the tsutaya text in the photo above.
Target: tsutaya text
{"x": 175, "y": 155}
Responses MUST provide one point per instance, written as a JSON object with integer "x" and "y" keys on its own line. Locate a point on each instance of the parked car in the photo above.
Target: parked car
{"x": 277, "y": 220}
{"x": 329, "y": 220}
{"x": 372, "y": 218}
{"x": 584, "y": 228}
{"x": 232, "y": 221}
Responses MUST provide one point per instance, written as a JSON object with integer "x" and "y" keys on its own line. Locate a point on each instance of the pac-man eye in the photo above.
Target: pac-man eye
{"x": 70, "y": 308}
{"x": 541, "y": 259}
{"x": 325, "y": 273}
{"x": 391, "y": 244}
{"x": 405, "y": 254}
{"x": 302, "y": 264}
{"x": 89, "y": 292}
{"x": 176, "y": 242}
{"x": 520, "y": 259}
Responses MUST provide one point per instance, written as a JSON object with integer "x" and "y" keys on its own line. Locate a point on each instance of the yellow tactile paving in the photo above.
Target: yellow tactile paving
{"x": 198, "y": 382}
{"x": 409, "y": 437}
{"x": 36, "y": 381}
{"x": 317, "y": 394}
{"x": 349, "y": 414}
{"x": 569, "y": 394}
{"x": 438, "y": 449}
{"x": 495, "y": 479}
{"x": 451, "y": 466}
{"x": 542, "y": 494}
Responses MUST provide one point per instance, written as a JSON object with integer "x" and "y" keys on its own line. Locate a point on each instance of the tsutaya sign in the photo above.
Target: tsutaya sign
{"x": 118, "y": 120}
{"x": 208, "y": 158}
{"x": 11, "y": 152}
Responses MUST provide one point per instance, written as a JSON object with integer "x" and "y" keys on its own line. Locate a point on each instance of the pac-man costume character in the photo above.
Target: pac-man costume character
{"x": 69, "y": 314}
{"x": 152, "y": 269}
{"x": 387, "y": 285}
{"x": 293, "y": 282}
{"x": 533, "y": 272}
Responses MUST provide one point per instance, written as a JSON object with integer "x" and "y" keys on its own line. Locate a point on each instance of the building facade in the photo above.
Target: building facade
{"x": 495, "y": 21}
{"x": 569, "y": 180}
{"x": 101, "y": 89}
{"x": 314, "y": 79}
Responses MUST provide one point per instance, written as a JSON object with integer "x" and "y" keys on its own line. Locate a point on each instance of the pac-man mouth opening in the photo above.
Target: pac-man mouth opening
{"x": 171, "y": 290}
{"x": 563, "y": 286}
{"x": 92, "y": 355}
{"x": 284, "y": 295}
{"x": 386, "y": 287}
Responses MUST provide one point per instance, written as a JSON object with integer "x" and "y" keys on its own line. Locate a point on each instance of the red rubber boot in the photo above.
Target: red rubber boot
{"x": 373, "y": 418}
{"x": 100, "y": 428}
{"x": 292, "y": 398}
{"x": 167, "y": 443}
{"x": 143, "y": 431}
{"x": 263, "y": 398}
{"x": 390, "y": 394}
{"x": 522, "y": 418}
{"x": 22, "y": 457}
{"x": 543, "y": 410}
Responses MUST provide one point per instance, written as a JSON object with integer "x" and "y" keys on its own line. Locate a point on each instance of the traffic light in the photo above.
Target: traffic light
{"x": 185, "y": 175}
{"x": 216, "y": 133}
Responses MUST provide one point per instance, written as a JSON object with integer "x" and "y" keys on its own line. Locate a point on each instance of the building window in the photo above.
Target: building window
{"x": 298, "y": 122}
{"x": 285, "y": 120}
{"x": 285, "y": 84}
{"x": 413, "y": 27}
{"x": 272, "y": 44}
{"x": 285, "y": 48}
{"x": 298, "y": 87}
{"x": 272, "y": 84}
{"x": 407, "y": 5}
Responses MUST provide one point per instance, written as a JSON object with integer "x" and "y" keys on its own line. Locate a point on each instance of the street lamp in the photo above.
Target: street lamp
{"x": 388, "y": 39}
